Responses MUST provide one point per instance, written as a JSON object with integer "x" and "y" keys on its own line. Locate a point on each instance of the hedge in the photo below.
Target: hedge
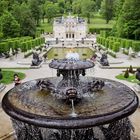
{"x": 3, "y": 47}
{"x": 97, "y": 30}
{"x": 136, "y": 46}
{"x": 24, "y": 43}
{"x": 107, "y": 43}
{"x": 110, "y": 42}
{"x": 116, "y": 46}
{"x": 128, "y": 44}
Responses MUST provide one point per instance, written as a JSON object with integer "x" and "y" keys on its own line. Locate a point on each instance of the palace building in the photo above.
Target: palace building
{"x": 74, "y": 28}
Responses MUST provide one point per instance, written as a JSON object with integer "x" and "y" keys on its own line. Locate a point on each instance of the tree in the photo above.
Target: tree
{"x": 107, "y": 11}
{"x": 61, "y": 5}
{"x": 10, "y": 27}
{"x": 1, "y": 34}
{"x": 23, "y": 15}
{"x": 128, "y": 22}
{"x": 35, "y": 8}
{"x": 98, "y": 4}
{"x": 3, "y": 6}
{"x": 76, "y": 7}
{"x": 51, "y": 11}
{"x": 28, "y": 24}
{"x": 118, "y": 4}
{"x": 87, "y": 7}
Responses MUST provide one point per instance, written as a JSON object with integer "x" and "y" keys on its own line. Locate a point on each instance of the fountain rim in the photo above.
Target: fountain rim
{"x": 68, "y": 122}
{"x": 72, "y": 68}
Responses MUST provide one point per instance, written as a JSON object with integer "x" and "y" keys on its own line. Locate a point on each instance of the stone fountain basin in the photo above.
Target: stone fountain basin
{"x": 28, "y": 104}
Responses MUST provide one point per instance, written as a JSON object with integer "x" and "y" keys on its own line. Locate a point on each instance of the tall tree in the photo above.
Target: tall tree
{"x": 118, "y": 4}
{"x": 76, "y": 7}
{"x": 3, "y": 6}
{"x": 128, "y": 24}
{"x": 87, "y": 7}
{"x": 98, "y": 4}
{"x": 10, "y": 27}
{"x": 35, "y": 8}
{"x": 28, "y": 24}
{"x": 107, "y": 9}
{"x": 51, "y": 11}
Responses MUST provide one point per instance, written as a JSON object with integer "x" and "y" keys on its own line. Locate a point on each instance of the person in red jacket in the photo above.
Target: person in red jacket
{"x": 16, "y": 79}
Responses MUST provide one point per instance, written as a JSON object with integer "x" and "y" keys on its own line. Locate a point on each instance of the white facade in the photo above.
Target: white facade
{"x": 70, "y": 28}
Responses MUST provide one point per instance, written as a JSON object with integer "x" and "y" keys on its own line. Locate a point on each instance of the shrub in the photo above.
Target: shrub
{"x": 116, "y": 47}
{"x": 98, "y": 39}
{"x": 131, "y": 69}
{"x": 128, "y": 44}
{"x": 123, "y": 43}
{"x": 24, "y": 46}
{"x": 103, "y": 41}
{"x": 3, "y": 47}
{"x": 97, "y": 30}
{"x": 126, "y": 74}
{"x": 104, "y": 33}
{"x": 111, "y": 42}
{"x": 136, "y": 46}
{"x": 107, "y": 43}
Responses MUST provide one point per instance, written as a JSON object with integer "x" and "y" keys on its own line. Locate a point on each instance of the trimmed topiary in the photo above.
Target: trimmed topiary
{"x": 126, "y": 74}
{"x": 116, "y": 47}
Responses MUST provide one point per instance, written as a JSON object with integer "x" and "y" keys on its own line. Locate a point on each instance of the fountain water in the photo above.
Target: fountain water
{"x": 73, "y": 114}
{"x": 71, "y": 106}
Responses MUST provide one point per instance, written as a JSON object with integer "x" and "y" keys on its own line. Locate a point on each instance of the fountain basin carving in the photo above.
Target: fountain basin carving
{"x": 71, "y": 106}
{"x": 40, "y": 108}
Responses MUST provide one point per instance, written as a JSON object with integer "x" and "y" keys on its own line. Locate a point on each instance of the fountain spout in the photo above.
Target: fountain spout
{"x": 71, "y": 93}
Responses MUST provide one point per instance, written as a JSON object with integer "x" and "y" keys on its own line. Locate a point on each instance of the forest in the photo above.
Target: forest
{"x": 22, "y": 17}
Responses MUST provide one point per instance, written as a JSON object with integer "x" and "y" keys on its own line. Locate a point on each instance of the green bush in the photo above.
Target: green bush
{"x": 17, "y": 44}
{"x": 128, "y": 44}
{"x": 24, "y": 47}
{"x": 97, "y": 30}
{"x": 98, "y": 39}
{"x": 103, "y": 41}
{"x": 3, "y": 47}
{"x": 111, "y": 42}
{"x": 42, "y": 40}
{"x": 126, "y": 74}
{"x": 123, "y": 43}
{"x": 116, "y": 46}
{"x": 107, "y": 43}
{"x": 104, "y": 33}
{"x": 136, "y": 46}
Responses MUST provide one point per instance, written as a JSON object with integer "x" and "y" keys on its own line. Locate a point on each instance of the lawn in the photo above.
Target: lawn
{"x": 48, "y": 27}
{"x": 96, "y": 22}
{"x": 8, "y": 76}
{"x": 131, "y": 78}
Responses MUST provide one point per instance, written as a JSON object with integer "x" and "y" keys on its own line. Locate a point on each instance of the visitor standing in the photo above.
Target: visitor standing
{"x": 17, "y": 80}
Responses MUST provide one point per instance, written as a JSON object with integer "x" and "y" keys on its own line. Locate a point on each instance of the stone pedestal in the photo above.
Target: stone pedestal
{"x": 117, "y": 130}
